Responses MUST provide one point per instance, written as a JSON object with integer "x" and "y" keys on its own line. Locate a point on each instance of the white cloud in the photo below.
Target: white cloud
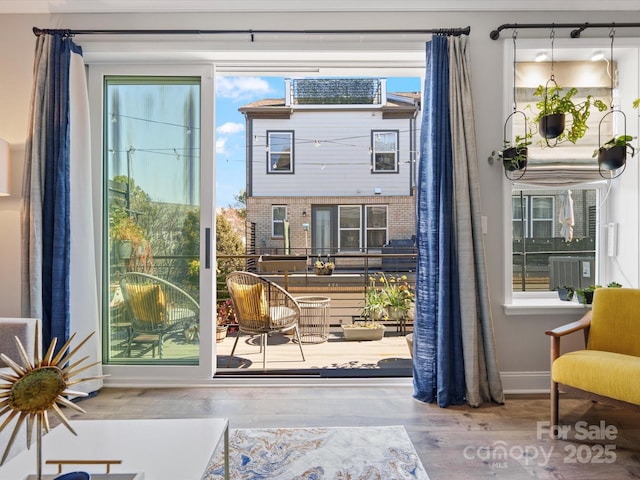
{"x": 241, "y": 87}
{"x": 220, "y": 144}
{"x": 230, "y": 128}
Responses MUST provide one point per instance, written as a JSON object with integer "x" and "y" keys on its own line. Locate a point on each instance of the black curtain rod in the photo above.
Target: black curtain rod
{"x": 578, "y": 27}
{"x": 70, "y": 33}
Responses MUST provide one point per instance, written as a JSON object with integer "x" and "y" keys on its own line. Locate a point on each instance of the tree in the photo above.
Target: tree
{"x": 241, "y": 203}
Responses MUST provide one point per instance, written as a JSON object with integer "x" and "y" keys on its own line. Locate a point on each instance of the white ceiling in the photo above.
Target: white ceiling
{"x": 114, "y": 6}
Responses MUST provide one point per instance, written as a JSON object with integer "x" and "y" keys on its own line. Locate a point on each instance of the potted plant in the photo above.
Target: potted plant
{"x": 613, "y": 153}
{"x": 514, "y": 152}
{"x": 514, "y": 156}
{"x": 565, "y": 293}
{"x": 225, "y": 315}
{"x": 126, "y": 234}
{"x": 372, "y": 312}
{"x": 585, "y": 295}
{"x": 614, "y": 285}
{"x": 323, "y": 268}
{"x": 553, "y": 107}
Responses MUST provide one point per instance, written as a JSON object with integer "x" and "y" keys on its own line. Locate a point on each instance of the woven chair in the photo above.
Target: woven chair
{"x": 157, "y": 309}
{"x": 261, "y": 308}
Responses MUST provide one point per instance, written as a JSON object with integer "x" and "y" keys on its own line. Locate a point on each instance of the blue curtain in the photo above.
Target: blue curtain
{"x": 455, "y": 357}
{"x": 438, "y": 366}
{"x": 46, "y": 199}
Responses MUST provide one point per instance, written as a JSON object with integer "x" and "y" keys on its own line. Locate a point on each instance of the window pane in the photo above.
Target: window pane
{"x": 280, "y": 142}
{"x": 152, "y": 166}
{"x": 385, "y": 141}
{"x": 385, "y": 161}
{"x": 280, "y": 161}
{"x": 376, "y": 238}
{"x": 278, "y": 229}
{"x": 377, "y": 217}
{"x": 542, "y": 208}
{"x": 350, "y": 217}
{"x": 279, "y": 213}
{"x": 350, "y": 240}
{"x": 542, "y": 258}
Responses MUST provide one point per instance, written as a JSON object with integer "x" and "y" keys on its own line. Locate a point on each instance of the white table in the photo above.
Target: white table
{"x": 161, "y": 449}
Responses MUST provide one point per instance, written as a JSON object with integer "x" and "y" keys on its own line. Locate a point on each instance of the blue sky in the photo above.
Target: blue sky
{"x": 232, "y": 93}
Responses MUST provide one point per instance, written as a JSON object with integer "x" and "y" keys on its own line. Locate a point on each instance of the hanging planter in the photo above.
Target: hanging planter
{"x": 612, "y": 155}
{"x": 514, "y": 156}
{"x": 551, "y": 126}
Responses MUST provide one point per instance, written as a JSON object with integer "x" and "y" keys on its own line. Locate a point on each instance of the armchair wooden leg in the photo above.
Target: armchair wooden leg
{"x": 554, "y": 409}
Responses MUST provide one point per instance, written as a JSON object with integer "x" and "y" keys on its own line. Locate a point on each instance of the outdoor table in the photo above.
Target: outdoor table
{"x": 314, "y": 318}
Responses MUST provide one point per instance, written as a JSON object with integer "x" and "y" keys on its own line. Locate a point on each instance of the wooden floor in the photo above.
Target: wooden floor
{"x": 457, "y": 443}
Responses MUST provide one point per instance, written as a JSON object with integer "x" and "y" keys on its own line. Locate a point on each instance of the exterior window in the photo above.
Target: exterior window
{"x": 384, "y": 151}
{"x": 349, "y": 227}
{"x": 280, "y": 154}
{"x": 376, "y": 227}
{"x": 542, "y": 258}
{"x": 278, "y": 216}
{"x": 533, "y": 216}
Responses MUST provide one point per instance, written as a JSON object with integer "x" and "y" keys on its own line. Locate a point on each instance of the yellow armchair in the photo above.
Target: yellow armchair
{"x": 609, "y": 366}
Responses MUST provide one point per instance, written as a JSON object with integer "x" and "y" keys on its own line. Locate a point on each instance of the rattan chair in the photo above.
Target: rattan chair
{"x": 261, "y": 308}
{"x": 156, "y": 309}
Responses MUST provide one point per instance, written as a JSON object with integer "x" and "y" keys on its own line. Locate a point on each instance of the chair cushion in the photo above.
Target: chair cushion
{"x": 604, "y": 373}
{"x": 250, "y": 301}
{"x": 615, "y": 321}
{"x": 146, "y": 302}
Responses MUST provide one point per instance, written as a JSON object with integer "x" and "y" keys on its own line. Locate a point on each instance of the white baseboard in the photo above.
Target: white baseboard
{"x": 525, "y": 382}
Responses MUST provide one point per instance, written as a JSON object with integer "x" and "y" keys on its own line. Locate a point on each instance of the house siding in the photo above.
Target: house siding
{"x": 341, "y": 164}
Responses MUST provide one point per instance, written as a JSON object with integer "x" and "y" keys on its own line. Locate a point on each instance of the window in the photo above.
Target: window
{"x": 278, "y": 216}
{"x": 280, "y": 152}
{"x": 542, "y": 256}
{"x": 376, "y": 227}
{"x": 349, "y": 225}
{"x": 532, "y": 215}
{"x": 384, "y": 151}
{"x": 351, "y": 222}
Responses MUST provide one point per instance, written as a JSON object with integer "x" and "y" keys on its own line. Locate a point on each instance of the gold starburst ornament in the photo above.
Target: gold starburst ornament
{"x": 38, "y": 386}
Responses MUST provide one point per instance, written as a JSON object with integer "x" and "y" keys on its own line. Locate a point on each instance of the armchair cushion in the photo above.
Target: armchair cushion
{"x": 251, "y": 301}
{"x": 615, "y": 321}
{"x": 603, "y": 373}
{"x": 147, "y": 302}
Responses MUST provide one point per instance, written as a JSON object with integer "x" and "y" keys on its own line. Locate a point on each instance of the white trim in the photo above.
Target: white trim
{"x": 526, "y": 382}
{"x": 219, "y": 6}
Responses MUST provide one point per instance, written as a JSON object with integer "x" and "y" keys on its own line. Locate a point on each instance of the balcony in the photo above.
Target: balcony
{"x": 328, "y": 357}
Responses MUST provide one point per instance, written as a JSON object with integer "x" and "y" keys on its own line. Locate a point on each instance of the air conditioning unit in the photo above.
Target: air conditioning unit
{"x": 576, "y": 272}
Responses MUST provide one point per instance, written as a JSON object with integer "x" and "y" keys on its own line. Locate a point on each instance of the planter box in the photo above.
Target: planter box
{"x": 357, "y": 333}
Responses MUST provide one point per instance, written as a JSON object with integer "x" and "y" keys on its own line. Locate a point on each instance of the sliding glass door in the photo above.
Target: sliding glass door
{"x": 155, "y": 258}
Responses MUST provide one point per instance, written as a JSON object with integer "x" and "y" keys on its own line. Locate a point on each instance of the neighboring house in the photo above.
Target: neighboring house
{"x": 332, "y": 167}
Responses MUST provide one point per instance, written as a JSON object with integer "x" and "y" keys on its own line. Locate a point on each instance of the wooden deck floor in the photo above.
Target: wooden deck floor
{"x": 390, "y": 354}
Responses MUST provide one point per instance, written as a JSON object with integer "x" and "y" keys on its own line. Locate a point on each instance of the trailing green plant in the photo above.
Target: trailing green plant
{"x": 619, "y": 141}
{"x": 614, "y": 285}
{"x": 554, "y": 101}
{"x": 514, "y": 154}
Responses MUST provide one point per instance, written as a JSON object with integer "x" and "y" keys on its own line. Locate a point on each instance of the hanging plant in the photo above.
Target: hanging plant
{"x": 554, "y": 105}
{"x": 514, "y": 154}
{"x": 612, "y": 155}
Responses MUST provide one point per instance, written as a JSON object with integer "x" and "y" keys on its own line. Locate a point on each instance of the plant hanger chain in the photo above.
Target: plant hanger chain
{"x": 514, "y": 36}
{"x": 612, "y": 34}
